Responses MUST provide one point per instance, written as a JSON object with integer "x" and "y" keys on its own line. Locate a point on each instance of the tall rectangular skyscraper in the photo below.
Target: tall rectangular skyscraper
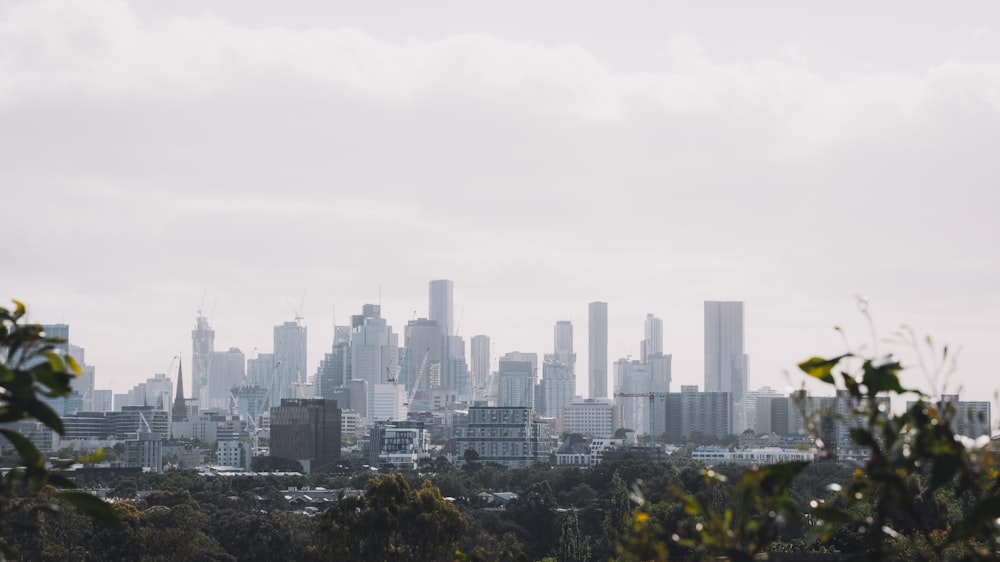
{"x": 652, "y": 341}
{"x": 480, "y": 367}
{"x": 563, "y": 348}
{"x": 440, "y": 309}
{"x": 725, "y": 355}
{"x": 597, "y": 349}
{"x": 202, "y": 346}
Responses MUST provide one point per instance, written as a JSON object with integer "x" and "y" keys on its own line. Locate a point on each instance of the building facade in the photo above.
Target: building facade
{"x": 597, "y": 349}
{"x": 726, "y": 361}
{"x": 507, "y": 436}
{"x": 306, "y": 430}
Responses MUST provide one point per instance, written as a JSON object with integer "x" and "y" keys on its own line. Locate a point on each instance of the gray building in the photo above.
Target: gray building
{"x": 507, "y": 436}
{"x": 307, "y": 430}
{"x": 693, "y": 415}
{"x": 725, "y": 355}
{"x": 597, "y": 349}
{"x": 441, "y": 305}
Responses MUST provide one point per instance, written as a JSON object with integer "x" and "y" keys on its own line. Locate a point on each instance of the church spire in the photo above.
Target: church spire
{"x": 180, "y": 409}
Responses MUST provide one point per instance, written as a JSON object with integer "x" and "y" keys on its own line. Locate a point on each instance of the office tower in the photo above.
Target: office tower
{"x": 102, "y": 401}
{"x": 226, "y": 371}
{"x": 58, "y": 331}
{"x": 335, "y": 368}
{"x": 597, "y": 349}
{"x": 202, "y": 346}
{"x": 563, "y": 349}
{"x": 480, "y": 367}
{"x": 456, "y": 373}
{"x": 83, "y": 384}
{"x": 423, "y": 339}
{"x": 633, "y": 387}
{"x": 306, "y": 430}
{"x": 290, "y": 360}
{"x": 156, "y": 392}
{"x": 558, "y": 387}
{"x": 652, "y": 341}
{"x": 374, "y": 352}
{"x": 516, "y": 380}
{"x": 260, "y": 370}
{"x": 440, "y": 307}
{"x": 725, "y": 356}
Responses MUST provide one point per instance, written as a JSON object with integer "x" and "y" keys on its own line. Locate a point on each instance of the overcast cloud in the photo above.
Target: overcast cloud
{"x": 542, "y": 158}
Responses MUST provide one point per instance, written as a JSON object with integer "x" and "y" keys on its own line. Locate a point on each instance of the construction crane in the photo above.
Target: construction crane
{"x": 298, "y": 311}
{"x": 420, "y": 375}
{"x": 652, "y": 414}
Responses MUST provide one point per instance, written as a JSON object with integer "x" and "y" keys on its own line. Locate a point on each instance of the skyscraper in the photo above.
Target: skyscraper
{"x": 597, "y": 349}
{"x": 289, "y": 359}
{"x": 202, "y": 346}
{"x": 725, "y": 355}
{"x": 652, "y": 341}
{"x": 480, "y": 367}
{"x": 441, "y": 304}
{"x": 563, "y": 348}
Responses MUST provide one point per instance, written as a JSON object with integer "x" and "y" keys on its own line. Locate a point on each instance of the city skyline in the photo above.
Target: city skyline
{"x": 163, "y": 158}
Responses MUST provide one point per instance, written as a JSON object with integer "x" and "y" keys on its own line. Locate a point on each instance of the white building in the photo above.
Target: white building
{"x": 757, "y": 456}
{"x": 388, "y": 402}
{"x": 593, "y": 455}
{"x": 558, "y": 386}
{"x": 235, "y": 453}
{"x": 726, "y": 361}
{"x": 595, "y": 417}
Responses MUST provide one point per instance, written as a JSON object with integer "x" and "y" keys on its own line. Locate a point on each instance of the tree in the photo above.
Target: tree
{"x": 393, "y": 521}
{"x": 32, "y": 367}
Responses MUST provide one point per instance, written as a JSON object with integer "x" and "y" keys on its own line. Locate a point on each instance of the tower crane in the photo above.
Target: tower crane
{"x": 421, "y": 371}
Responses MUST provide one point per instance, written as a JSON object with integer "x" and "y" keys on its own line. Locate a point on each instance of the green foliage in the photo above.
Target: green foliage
{"x": 31, "y": 367}
{"x": 392, "y": 521}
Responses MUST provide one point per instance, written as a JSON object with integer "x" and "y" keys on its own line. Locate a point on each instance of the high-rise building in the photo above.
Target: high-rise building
{"x": 374, "y": 353}
{"x": 558, "y": 387}
{"x": 563, "y": 349}
{"x": 335, "y": 368}
{"x": 440, "y": 310}
{"x": 480, "y": 367}
{"x": 226, "y": 371}
{"x": 633, "y": 385}
{"x": 202, "y": 346}
{"x": 423, "y": 339}
{"x": 290, "y": 360}
{"x": 597, "y": 349}
{"x": 652, "y": 341}
{"x": 516, "y": 380}
{"x": 725, "y": 356}
{"x": 306, "y": 430}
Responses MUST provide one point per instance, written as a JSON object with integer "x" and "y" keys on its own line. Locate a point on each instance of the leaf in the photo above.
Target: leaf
{"x": 58, "y": 366}
{"x": 820, "y": 368}
{"x": 882, "y": 378}
{"x": 25, "y": 448}
{"x": 89, "y": 504}
{"x": 74, "y": 367}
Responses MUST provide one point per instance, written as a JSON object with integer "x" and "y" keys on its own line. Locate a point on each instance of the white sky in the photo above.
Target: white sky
{"x": 541, "y": 155}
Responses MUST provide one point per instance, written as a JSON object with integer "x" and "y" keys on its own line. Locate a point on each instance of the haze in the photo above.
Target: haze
{"x": 160, "y": 157}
